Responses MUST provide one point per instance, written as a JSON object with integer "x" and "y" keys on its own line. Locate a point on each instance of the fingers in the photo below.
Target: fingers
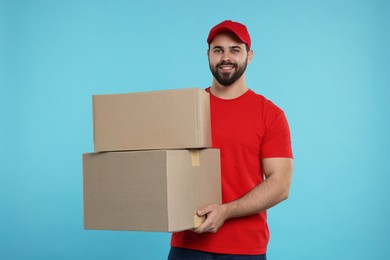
{"x": 214, "y": 219}
{"x": 204, "y": 211}
{"x": 206, "y": 226}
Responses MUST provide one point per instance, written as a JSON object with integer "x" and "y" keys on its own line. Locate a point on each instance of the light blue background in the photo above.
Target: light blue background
{"x": 325, "y": 63}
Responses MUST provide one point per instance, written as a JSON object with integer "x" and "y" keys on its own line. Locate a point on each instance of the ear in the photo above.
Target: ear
{"x": 250, "y": 56}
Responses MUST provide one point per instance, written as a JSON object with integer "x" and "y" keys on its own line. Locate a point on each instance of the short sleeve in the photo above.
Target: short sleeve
{"x": 276, "y": 140}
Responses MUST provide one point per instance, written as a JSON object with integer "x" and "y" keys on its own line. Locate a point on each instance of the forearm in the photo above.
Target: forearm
{"x": 262, "y": 197}
{"x": 274, "y": 189}
{"x": 265, "y": 195}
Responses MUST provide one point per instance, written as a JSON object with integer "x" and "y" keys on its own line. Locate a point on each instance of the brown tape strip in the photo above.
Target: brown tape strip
{"x": 195, "y": 157}
{"x": 198, "y": 221}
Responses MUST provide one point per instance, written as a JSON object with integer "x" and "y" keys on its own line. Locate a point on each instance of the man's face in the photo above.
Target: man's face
{"x": 228, "y": 58}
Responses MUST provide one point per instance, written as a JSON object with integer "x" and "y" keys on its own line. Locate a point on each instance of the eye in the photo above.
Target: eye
{"x": 235, "y": 50}
{"x": 217, "y": 51}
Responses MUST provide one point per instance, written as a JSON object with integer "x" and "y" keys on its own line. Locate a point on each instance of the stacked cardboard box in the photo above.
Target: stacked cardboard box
{"x": 153, "y": 166}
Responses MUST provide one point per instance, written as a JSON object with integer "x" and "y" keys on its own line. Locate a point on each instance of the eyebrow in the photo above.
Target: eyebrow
{"x": 230, "y": 47}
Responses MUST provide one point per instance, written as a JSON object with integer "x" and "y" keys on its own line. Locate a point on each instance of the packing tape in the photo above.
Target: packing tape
{"x": 195, "y": 157}
{"x": 198, "y": 220}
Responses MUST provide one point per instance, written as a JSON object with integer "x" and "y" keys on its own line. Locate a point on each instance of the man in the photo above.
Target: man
{"x": 256, "y": 158}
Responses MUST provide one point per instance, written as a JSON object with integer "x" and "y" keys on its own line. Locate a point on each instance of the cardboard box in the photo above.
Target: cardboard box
{"x": 168, "y": 119}
{"x": 155, "y": 190}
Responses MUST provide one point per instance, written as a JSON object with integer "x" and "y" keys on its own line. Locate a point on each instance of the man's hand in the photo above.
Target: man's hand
{"x": 215, "y": 215}
{"x": 278, "y": 173}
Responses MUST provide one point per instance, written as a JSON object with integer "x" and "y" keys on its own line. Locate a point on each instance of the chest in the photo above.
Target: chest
{"x": 238, "y": 126}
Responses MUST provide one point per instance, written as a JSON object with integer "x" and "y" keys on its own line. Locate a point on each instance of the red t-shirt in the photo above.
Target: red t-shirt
{"x": 245, "y": 129}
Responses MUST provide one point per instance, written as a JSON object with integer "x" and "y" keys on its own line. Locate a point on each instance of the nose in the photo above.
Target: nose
{"x": 225, "y": 56}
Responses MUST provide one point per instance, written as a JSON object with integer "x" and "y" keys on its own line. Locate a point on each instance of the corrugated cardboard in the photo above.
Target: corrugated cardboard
{"x": 168, "y": 119}
{"x": 155, "y": 190}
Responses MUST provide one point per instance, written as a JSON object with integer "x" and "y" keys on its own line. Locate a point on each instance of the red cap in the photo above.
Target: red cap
{"x": 229, "y": 26}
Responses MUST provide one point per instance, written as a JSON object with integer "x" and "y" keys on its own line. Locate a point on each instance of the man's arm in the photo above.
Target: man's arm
{"x": 274, "y": 189}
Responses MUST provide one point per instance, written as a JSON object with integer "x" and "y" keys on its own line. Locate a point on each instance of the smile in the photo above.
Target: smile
{"x": 226, "y": 67}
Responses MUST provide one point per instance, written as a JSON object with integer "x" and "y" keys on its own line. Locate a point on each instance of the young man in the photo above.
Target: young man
{"x": 256, "y": 157}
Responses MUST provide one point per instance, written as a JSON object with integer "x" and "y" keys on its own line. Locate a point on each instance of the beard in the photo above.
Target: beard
{"x": 226, "y": 79}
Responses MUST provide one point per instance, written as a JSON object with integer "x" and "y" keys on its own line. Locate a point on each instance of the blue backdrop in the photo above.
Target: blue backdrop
{"x": 325, "y": 63}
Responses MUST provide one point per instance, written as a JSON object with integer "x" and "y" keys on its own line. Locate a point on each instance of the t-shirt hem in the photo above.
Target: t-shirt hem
{"x": 233, "y": 251}
{"x": 268, "y": 156}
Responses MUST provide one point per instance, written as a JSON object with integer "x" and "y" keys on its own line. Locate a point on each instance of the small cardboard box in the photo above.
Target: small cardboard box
{"x": 155, "y": 190}
{"x": 167, "y": 119}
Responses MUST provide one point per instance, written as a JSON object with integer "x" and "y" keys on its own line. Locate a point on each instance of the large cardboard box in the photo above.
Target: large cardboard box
{"x": 167, "y": 119}
{"x": 155, "y": 190}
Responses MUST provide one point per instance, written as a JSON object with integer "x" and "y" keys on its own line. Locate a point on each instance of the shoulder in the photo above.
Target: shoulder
{"x": 267, "y": 105}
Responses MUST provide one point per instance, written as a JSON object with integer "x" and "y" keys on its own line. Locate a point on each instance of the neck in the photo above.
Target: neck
{"x": 230, "y": 92}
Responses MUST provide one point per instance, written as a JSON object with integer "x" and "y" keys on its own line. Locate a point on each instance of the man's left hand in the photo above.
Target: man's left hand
{"x": 215, "y": 215}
